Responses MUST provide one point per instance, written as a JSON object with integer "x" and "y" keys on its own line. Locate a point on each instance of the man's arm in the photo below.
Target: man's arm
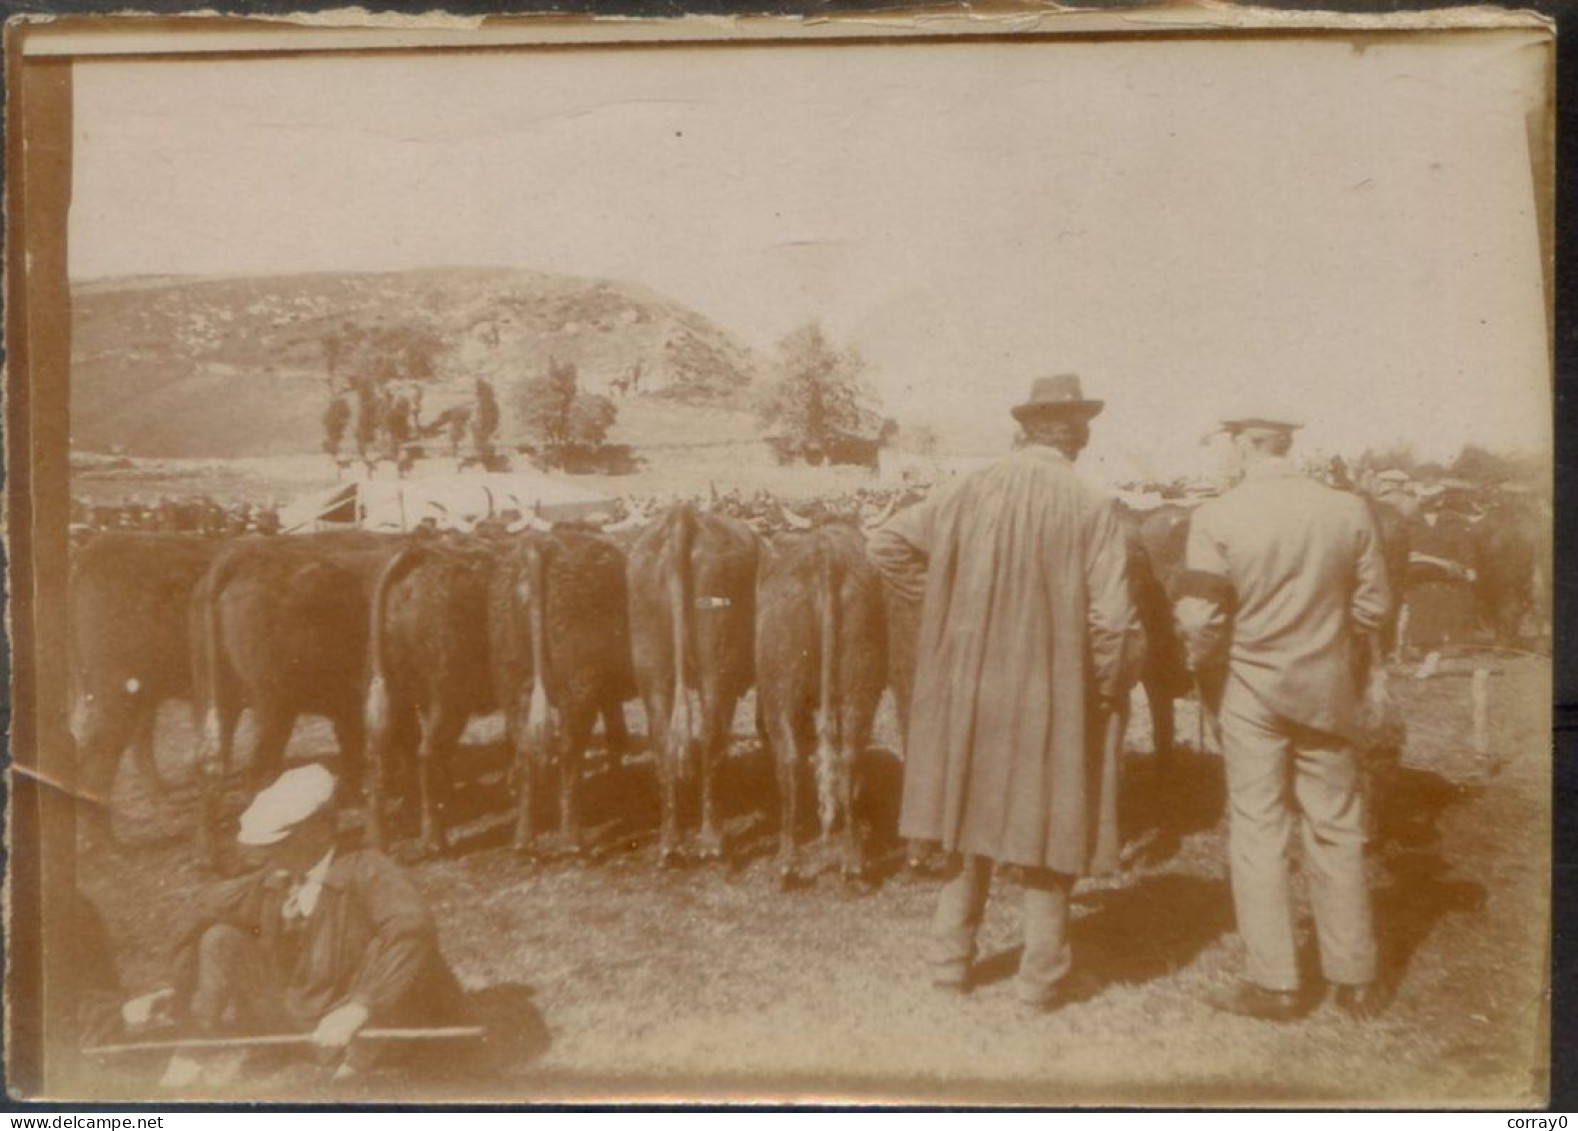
{"x": 1203, "y": 598}
{"x": 1372, "y": 594}
{"x": 405, "y": 938}
{"x": 1117, "y": 645}
{"x": 899, "y": 549}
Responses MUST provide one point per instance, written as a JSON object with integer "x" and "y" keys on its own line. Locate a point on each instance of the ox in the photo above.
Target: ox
{"x": 129, "y": 645}
{"x": 692, "y": 580}
{"x": 279, "y": 626}
{"x": 428, "y": 658}
{"x": 560, "y": 638}
{"x": 820, "y": 671}
{"x": 1509, "y": 562}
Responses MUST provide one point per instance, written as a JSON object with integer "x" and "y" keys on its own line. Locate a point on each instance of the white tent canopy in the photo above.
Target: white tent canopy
{"x": 452, "y": 502}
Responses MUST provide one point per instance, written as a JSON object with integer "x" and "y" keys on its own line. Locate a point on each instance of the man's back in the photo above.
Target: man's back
{"x": 1305, "y": 566}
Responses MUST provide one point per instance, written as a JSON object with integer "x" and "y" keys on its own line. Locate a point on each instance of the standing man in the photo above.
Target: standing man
{"x": 1029, "y": 640}
{"x": 1284, "y": 593}
{"x": 321, "y": 939}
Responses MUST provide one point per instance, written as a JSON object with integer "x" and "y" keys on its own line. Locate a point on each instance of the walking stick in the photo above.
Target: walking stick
{"x": 450, "y": 1033}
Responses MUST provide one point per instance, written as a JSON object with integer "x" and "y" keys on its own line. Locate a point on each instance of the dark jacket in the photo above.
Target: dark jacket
{"x": 370, "y": 938}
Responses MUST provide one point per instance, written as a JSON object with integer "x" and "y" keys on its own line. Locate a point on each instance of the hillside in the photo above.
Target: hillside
{"x": 226, "y": 367}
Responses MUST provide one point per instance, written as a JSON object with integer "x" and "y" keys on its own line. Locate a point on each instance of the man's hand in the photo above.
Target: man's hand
{"x": 141, "y": 1012}
{"x": 340, "y": 1026}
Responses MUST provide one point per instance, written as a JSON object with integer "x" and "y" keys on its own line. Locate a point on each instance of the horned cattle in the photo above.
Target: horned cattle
{"x": 560, "y": 638}
{"x": 692, "y": 620}
{"x": 820, "y": 672}
{"x": 129, "y": 644}
{"x": 279, "y": 626}
{"x": 429, "y": 672}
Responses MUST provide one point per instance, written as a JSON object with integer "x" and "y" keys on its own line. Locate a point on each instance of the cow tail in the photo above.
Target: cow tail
{"x": 378, "y": 713}
{"x": 681, "y": 726}
{"x": 208, "y": 614}
{"x": 827, "y": 601}
{"x": 537, "y": 729}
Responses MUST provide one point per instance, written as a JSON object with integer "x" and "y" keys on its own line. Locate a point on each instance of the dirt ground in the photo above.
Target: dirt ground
{"x": 612, "y": 979}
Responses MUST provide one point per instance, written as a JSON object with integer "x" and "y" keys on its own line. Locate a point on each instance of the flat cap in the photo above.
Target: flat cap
{"x": 296, "y": 796}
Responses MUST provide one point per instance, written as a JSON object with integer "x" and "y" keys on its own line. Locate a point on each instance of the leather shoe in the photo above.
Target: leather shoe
{"x": 1361, "y": 1001}
{"x": 1249, "y": 1000}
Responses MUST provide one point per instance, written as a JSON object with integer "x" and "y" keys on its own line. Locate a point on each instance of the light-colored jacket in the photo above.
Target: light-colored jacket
{"x": 1281, "y": 572}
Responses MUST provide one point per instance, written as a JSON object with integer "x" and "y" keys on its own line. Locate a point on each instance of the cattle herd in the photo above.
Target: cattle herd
{"x": 400, "y": 640}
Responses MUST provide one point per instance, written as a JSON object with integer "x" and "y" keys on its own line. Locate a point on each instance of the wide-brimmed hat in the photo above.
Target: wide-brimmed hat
{"x": 1059, "y": 393}
{"x": 1272, "y": 416}
{"x": 296, "y": 796}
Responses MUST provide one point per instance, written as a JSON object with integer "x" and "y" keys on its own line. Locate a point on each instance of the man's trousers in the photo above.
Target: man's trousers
{"x": 1279, "y": 775}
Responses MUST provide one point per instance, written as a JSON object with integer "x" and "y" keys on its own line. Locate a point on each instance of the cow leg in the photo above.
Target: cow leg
{"x": 441, "y": 729}
{"x": 350, "y": 736}
{"x": 786, "y": 761}
{"x": 268, "y": 754}
{"x": 578, "y": 725}
{"x": 858, "y": 737}
{"x": 525, "y": 841}
{"x": 1163, "y": 729}
{"x": 717, "y": 719}
{"x": 384, "y": 748}
{"x": 98, "y": 754}
{"x": 142, "y": 746}
{"x": 668, "y": 779}
{"x": 616, "y": 738}
{"x": 214, "y": 760}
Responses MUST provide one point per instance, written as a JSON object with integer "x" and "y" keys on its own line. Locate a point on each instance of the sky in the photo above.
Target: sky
{"x": 1193, "y": 227}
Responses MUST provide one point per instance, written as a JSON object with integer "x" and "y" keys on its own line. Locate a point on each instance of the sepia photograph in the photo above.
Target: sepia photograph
{"x": 948, "y": 559}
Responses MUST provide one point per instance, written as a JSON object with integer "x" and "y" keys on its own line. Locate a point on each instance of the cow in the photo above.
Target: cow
{"x": 1158, "y": 545}
{"x": 692, "y": 582}
{"x": 429, "y": 671}
{"x": 128, "y": 644}
{"x": 1505, "y": 546}
{"x": 279, "y": 627}
{"x": 559, "y": 636}
{"x": 1157, "y": 542}
{"x": 1391, "y": 527}
{"x": 821, "y": 667}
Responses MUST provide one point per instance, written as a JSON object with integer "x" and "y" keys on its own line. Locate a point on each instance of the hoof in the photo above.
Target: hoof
{"x": 668, "y": 858}
{"x": 856, "y": 878}
{"x": 789, "y": 879}
{"x": 709, "y": 848}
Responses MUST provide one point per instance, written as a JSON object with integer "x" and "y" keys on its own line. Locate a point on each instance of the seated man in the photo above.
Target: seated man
{"x": 318, "y": 940}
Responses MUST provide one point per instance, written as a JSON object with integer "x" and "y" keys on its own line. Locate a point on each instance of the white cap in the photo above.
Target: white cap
{"x": 295, "y": 796}
{"x": 1269, "y": 415}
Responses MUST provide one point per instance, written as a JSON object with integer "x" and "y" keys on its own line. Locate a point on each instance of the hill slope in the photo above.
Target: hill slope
{"x": 234, "y": 366}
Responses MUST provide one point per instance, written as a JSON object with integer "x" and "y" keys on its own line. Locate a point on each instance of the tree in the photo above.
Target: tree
{"x": 397, "y": 431}
{"x": 819, "y": 398}
{"x": 336, "y": 418}
{"x": 484, "y": 422}
{"x": 369, "y": 415}
{"x": 1481, "y": 466}
{"x": 456, "y": 423}
{"x": 559, "y": 417}
{"x": 591, "y": 417}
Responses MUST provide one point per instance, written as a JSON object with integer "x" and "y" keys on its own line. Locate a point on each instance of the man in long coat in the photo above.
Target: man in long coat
{"x": 320, "y": 939}
{"x": 1284, "y": 593}
{"x": 1028, "y": 639}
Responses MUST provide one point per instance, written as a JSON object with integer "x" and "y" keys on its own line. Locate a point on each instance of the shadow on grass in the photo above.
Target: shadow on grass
{"x": 1422, "y": 890}
{"x": 1136, "y": 934}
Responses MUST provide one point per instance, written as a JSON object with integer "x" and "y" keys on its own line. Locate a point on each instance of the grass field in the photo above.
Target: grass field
{"x": 613, "y": 979}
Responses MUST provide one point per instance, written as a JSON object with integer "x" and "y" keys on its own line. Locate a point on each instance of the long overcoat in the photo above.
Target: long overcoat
{"x": 1027, "y": 622}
